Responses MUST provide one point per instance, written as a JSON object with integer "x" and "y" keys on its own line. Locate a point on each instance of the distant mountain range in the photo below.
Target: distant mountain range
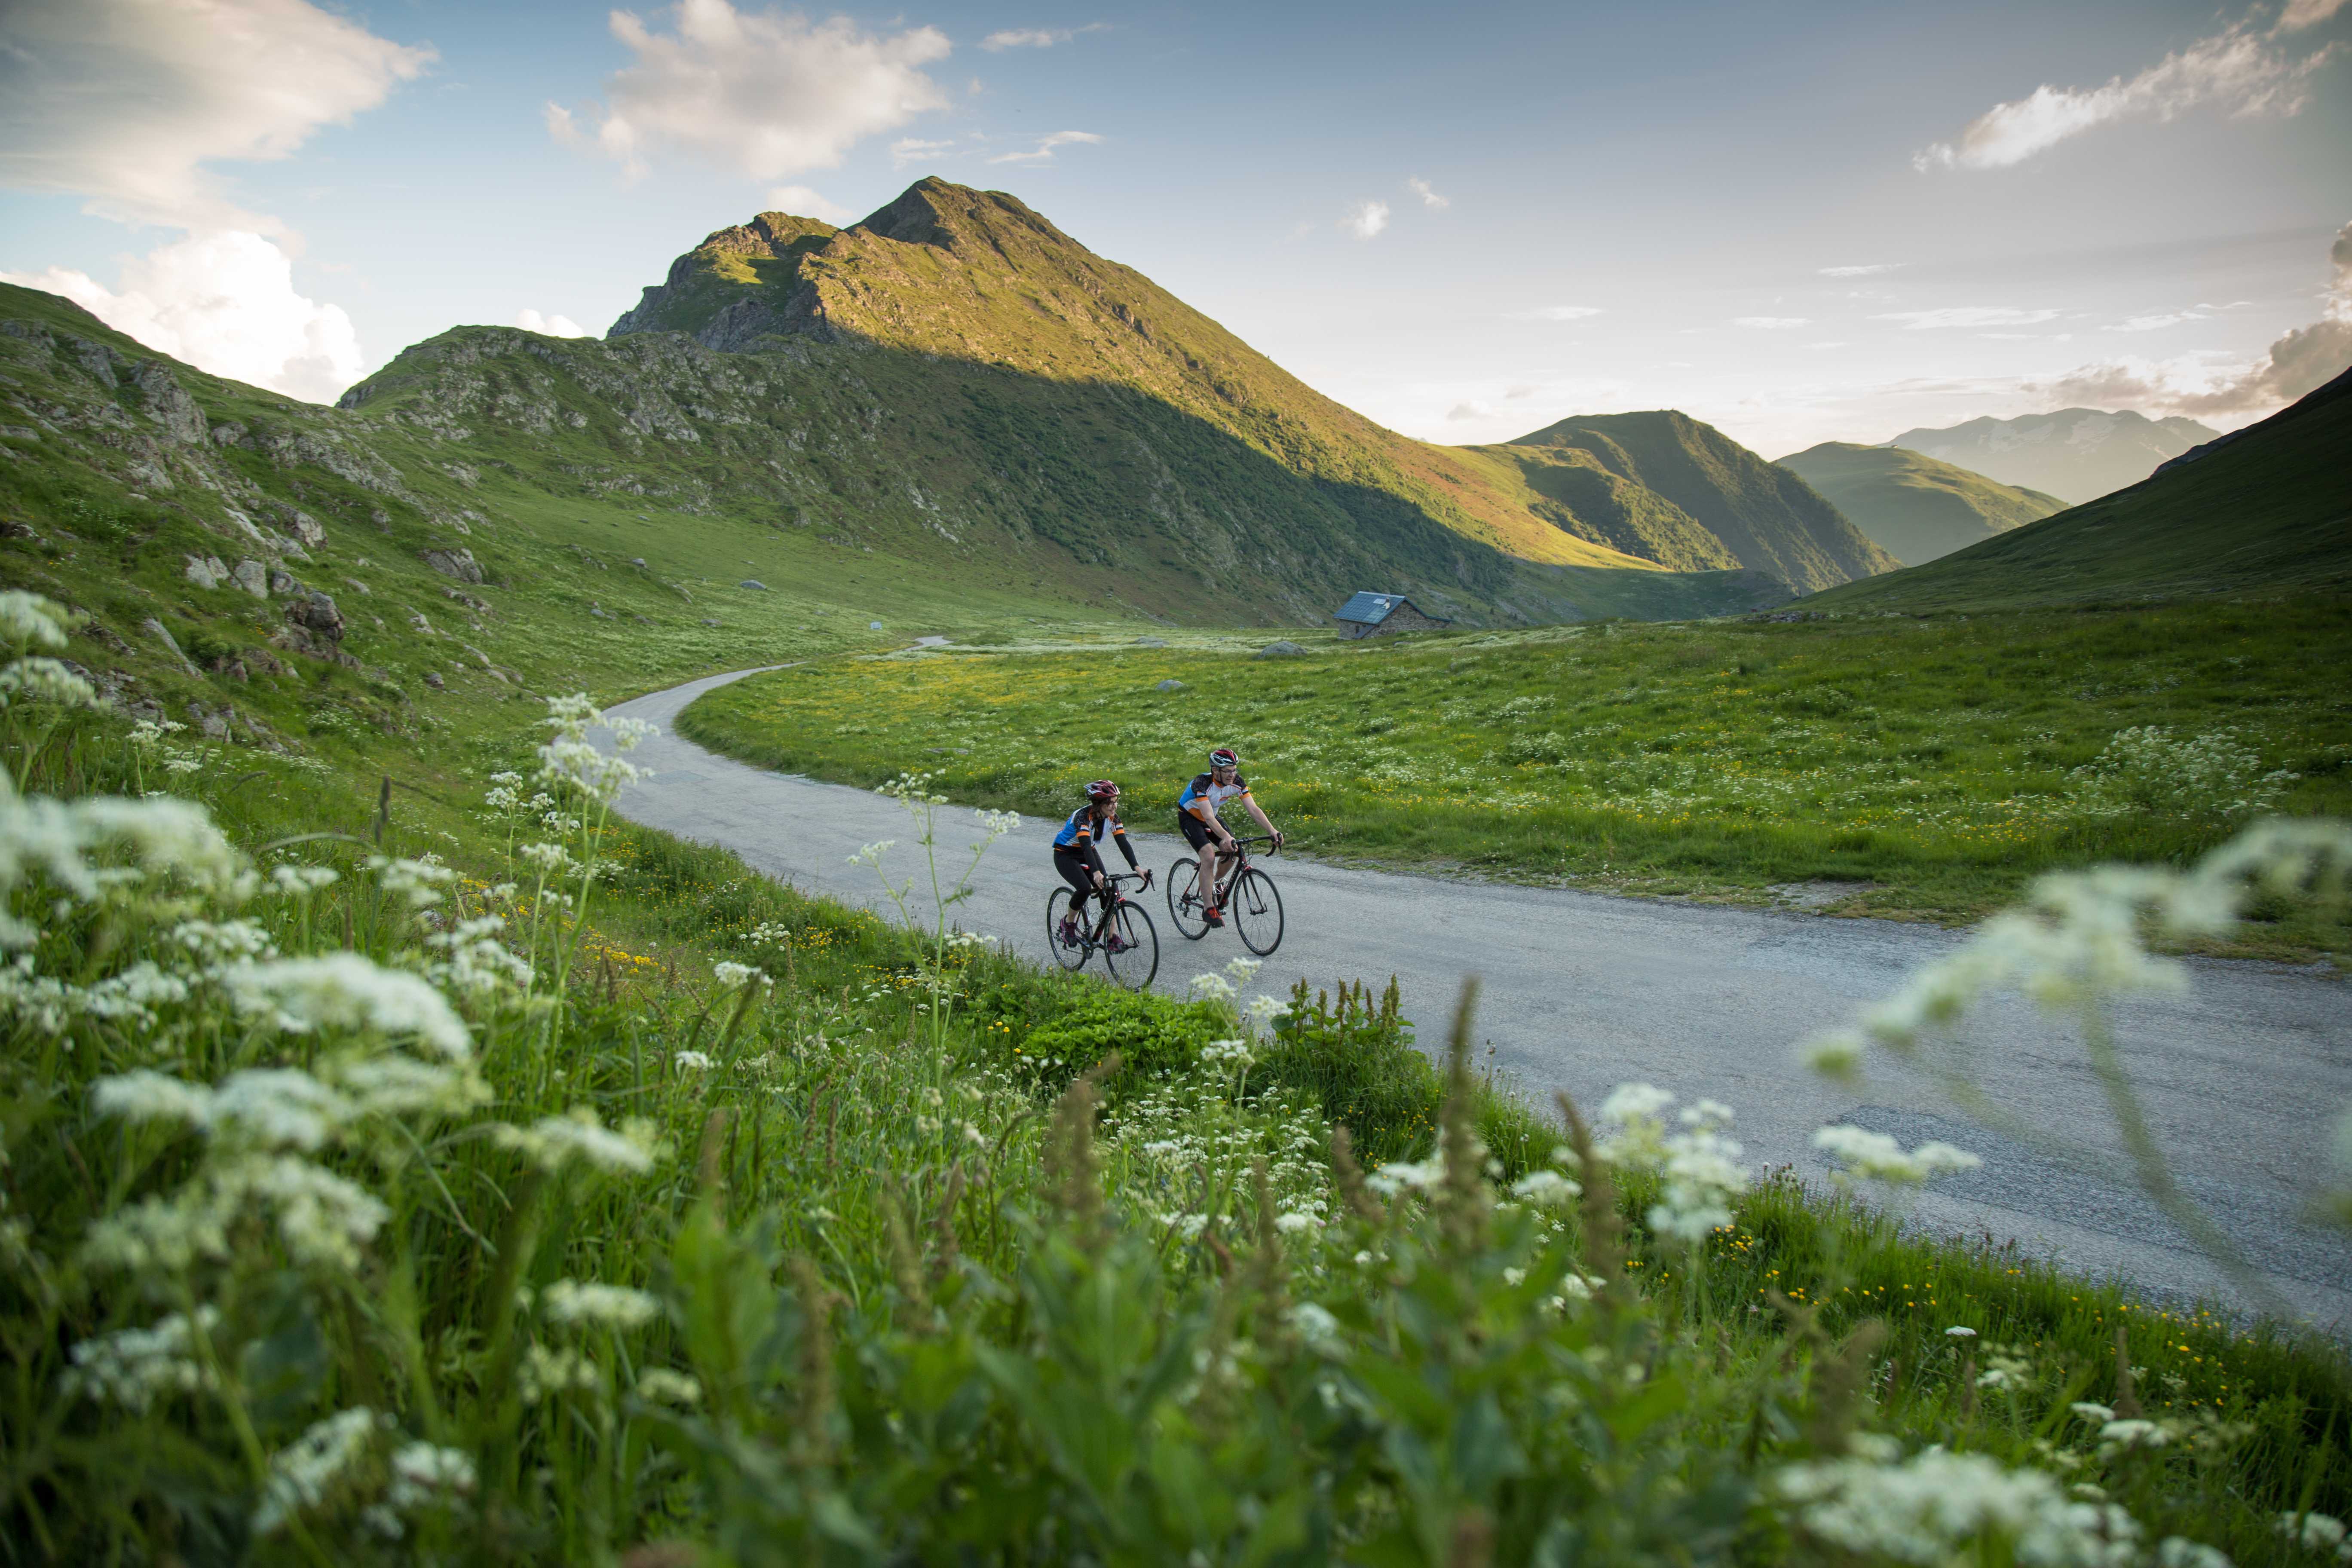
{"x": 2075, "y": 454}
{"x": 1913, "y": 506}
{"x": 1665, "y": 487}
{"x": 2268, "y": 507}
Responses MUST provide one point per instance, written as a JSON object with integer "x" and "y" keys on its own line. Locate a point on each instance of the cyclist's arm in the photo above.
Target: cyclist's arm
{"x": 1254, "y": 810}
{"x": 1118, "y": 837}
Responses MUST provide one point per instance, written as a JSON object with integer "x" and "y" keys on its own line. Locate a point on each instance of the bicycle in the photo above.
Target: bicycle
{"x": 1123, "y": 933}
{"x": 1246, "y": 895}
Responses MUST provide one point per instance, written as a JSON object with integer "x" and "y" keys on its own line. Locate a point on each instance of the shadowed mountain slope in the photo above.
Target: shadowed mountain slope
{"x": 1912, "y": 506}
{"x": 2074, "y": 454}
{"x": 2268, "y": 507}
{"x": 1663, "y": 486}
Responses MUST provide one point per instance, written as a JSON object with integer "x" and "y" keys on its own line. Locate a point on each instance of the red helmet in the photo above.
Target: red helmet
{"x": 1224, "y": 757}
{"x": 1102, "y": 791}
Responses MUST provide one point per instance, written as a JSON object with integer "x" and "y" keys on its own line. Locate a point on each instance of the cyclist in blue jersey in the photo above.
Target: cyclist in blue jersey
{"x": 1077, "y": 856}
{"x": 1196, "y": 816}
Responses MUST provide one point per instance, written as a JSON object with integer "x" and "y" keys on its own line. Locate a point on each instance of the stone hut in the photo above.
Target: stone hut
{"x": 1371, "y": 615}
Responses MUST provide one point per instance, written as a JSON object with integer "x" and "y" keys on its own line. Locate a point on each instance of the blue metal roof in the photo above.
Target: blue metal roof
{"x": 1368, "y": 609}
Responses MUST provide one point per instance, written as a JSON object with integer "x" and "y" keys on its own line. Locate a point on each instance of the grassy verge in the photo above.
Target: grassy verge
{"x": 1923, "y": 768}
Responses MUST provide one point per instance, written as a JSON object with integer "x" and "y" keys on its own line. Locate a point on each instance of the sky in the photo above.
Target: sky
{"x": 1798, "y": 222}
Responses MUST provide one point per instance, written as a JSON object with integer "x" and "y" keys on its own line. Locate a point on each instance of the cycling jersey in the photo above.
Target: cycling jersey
{"x": 1078, "y": 832}
{"x": 1205, "y": 791}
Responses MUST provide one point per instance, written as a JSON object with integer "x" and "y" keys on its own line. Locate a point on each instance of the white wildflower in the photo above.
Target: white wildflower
{"x": 734, "y": 974}
{"x": 2099, "y": 1414}
{"x": 46, "y": 680}
{"x": 599, "y": 1306}
{"x": 344, "y": 991}
{"x": 1547, "y": 1189}
{"x": 2180, "y": 1551}
{"x": 660, "y": 1386}
{"x": 545, "y": 1373}
{"x": 1315, "y": 1324}
{"x": 426, "y": 1476}
{"x": 303, "y": 1473}
{"x": 224, "y": 942}
{"x": 2135, "y": 1435}
{"x": 29, "y": 620}
{"x": 692, "y": 1061}
{"x": 1960, "y": 1331}
{"x": 143, "y": 1094}
{"x": 2313, "y": 1532}
{"x": 1211, "y": 988}
{"x": 1875, "y": 1156}
{"x": 418, "y": 882}
{"x": 1290, "y": 1222}
{"x": 134, "y": 1367}
{"x": 301, "y": 882}
{"x": 554, "y": 1142}
{"x": 1938, "y": 1507}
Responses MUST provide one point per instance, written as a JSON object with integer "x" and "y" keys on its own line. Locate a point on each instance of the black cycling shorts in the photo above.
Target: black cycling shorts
{"x": 1077, "y": 868}
{"x": 1196, "y": 832}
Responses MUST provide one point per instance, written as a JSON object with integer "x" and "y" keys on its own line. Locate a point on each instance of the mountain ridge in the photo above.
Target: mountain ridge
{"x": 1914, "y": 506}
{"x": 949, "y": 271}
{"x": 2075, "y": 454}
{"x": 2268, "y": 509}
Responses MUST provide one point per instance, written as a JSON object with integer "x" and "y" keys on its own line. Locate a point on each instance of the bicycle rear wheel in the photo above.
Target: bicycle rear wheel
{"x": 1184, "y": 900}
{"x": 1058, "y": 905}
{"x": 1134, "y": 967}
{"x": 1255, "y": 907}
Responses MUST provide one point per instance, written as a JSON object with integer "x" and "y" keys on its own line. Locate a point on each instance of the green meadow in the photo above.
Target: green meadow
{"x": 1883, "y": 766}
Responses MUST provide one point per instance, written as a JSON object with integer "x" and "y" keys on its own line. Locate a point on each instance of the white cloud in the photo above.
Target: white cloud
{"x": 2238, "y": 68}
{"x": 124, "y": 101}
{"x": 767, "y": 94}
{"x": 1869, "y": 270}
{"x": 224, "y": 302}
{"x": 915, "y": 150}
{"x": 1564, "y": 312}
{"x": 549, "y": 326}
{"x": 1473, "y": 410}
{"x": 2302, "y": 13}
{"x": 1967, "y": 316}
{"x": 1428, "y": 198}
{"x": 1770, "y": 324}
{"x": 803, "y": 202}
{"x": 1044, "y": 152}
{"x": 1366, "y": 219}
{"x": 1036, "y": 38}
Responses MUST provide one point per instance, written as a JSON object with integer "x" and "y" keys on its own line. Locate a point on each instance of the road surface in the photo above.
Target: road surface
{"x": 2243, "y": 1078}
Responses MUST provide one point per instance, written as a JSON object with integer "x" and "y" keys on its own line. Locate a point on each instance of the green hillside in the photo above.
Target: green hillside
{"x": 1911, "y": 505}
{"x": 2268, "y": 507}
{"x": 2077, "y": 454}
{"x": 1664, "y": 487}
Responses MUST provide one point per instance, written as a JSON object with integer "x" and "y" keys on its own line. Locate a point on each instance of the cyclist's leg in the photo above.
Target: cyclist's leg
{"x": 1204, "y": 844}
{"x": 1075, "y": 871}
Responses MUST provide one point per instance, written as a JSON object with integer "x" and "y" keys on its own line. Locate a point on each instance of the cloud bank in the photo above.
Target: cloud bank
{"x": 549, "y": 326}
{"x": 226, "y": 303}
{"x": 124, "y": 101}
{"x": 1034, "y": 38}
{"x": 2298, "y": 363}
{"x": 2247, "y": 71}
{"x": 768, "y": 95}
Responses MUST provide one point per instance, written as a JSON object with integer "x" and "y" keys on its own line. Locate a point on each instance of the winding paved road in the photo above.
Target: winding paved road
{"x": 2243, "y": 1077}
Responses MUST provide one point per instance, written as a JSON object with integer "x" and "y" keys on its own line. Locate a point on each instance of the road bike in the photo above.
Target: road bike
{"x": 1250, "y": 903}
{"x": 1122, "y": 933}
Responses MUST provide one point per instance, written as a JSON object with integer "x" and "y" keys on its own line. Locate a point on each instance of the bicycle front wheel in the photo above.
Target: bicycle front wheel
{"x": 1184, "y": 900}
{"x": 1255, "y": 907}
{"x": 1132, "y": 955}
{"x": 1070, "y": 955}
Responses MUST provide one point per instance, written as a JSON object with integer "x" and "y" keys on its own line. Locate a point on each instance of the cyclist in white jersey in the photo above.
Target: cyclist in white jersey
{"x": 1196, "y": 818}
